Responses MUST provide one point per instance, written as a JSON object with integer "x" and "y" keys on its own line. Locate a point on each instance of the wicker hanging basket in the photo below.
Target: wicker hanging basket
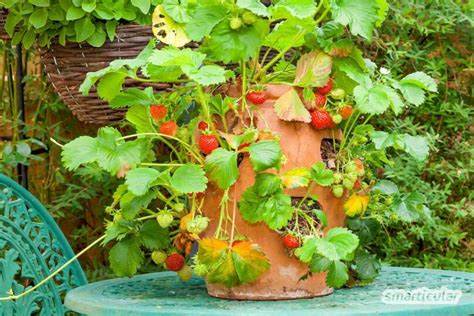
{"x": 67, "y": 66}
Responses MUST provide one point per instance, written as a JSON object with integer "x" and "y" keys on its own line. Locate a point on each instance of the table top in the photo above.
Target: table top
{"x": 163, "y": 293}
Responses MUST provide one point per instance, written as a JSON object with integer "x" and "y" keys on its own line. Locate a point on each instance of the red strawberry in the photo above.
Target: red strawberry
{"x": 245, "y": 148}
{"x": 326, "y": 89}
{"x": 203, "y": 126}
{"x": 168, "y": 128}
{"x": 346, "y": 112}
{"x": 321, "y": 119}
{"x": 319, "y": 100}
{"x": 158, "y": 112}
{"x": 207, "y": 143}
{"x": 257, "y": 97}
{"x": 357, "y": 184}
{"x": 290, "y": 241}
{"x": 174, "y": 262}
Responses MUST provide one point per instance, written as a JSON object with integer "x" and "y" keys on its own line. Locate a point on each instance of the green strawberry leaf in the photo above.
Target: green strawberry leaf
{"x": 114, "y": 154}
{"x": 153, "y": 236}
{"x": 110, "y": 85}
{"x": 139, "y": 180}
{"x": 228, "y": 45}
{"x": 80, "y": 151}
{"x": 266, "y": 184}
{"x": 372, "y": 100}
{"x": 300, "y": 9}
{"x": 133, "y": 96}
{"x": 361, "y": 16}
{"x": 139, "y": 116}
{"x": 321, "y": 175}
{"x": 131, "y": 205}
{"x": 221, "y": 166}
{"x": 265, "y": 154}
{"x": 366, "y": 229}
{"x": 319, "y": 264}
{"x": 306, "y": 252}
{"x": 283, "y": 34}
{"x": 367, "y": 265}
{"x": 207, "y": 75}
{"x": 176, "y": 9}
{"x": 203, "y": 20}
{"x": 189, "y": 179}
{"x": 337, "y": 275}
{"x": 275, "y": 210}
{"x": 254, "y": 6}
{"x": 126, "y": 257}
{"x": 338, "y": 244}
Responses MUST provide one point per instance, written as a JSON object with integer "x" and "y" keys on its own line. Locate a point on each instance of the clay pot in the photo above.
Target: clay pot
{"x": 300, "y": 144}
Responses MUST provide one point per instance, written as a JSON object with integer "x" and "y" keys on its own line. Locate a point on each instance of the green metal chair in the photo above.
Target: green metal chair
{"x": 32, "y": 247}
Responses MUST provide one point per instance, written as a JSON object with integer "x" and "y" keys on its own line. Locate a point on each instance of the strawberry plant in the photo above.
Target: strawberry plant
{"x": 201, "y": 137}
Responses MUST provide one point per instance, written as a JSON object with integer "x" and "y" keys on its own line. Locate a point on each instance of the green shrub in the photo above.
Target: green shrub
{"x": 433, "y": 36}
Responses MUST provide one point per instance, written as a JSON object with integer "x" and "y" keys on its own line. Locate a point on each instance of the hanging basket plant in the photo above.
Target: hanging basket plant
{"x": 271, "y": 162}
{"x": 77, "y": 37}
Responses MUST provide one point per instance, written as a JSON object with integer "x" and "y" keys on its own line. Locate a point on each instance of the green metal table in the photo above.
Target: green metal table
{"x": 164, "y": 294}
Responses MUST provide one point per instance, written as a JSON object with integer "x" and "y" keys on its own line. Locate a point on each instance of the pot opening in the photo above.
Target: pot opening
{"x": 328, "y": 152}
{"x": 306, "y": 220}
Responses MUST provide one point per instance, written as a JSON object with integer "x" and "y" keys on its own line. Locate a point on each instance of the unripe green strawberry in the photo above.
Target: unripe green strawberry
{"x": 338, "y": 190}
{"x": 164, "y": 218}
{"x": 337, "y": 94}
{"x": 158, "y": 257}
{"x": 350, "y": 167}
{"x": 338, "y": 177}
{"x": 186, "y": 273}
{"x": 351, "y": 176}
{"x": 249, "y": 18}
{"x": 197, "y": 225}
{"x": 336, "y": 118}
{"x": 389, "y": 201}
{"x": 178, "y": 207}
{"x": 235, "y": 23}
{"x": 348, "y": 183}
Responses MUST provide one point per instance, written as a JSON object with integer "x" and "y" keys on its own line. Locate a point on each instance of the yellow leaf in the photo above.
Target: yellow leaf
{"x": 167, "y": 30}
{"x": 249, "y": 261}
{"x": 211, "y": 250}
{"x": 224, "y": 272}
{"x": 242, "y": 263}
{"x": 356, "y": 205}
{"x": 296, "y": 178}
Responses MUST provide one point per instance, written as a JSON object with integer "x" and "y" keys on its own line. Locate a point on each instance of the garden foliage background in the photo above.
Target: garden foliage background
{"x": 435, "y": 36}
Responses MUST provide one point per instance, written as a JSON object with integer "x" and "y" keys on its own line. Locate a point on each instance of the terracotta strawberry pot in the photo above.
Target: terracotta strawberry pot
{"x": 301, "y": 145}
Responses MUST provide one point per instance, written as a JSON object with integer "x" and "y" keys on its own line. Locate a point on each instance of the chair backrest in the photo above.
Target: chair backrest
{"x": 32, "y": 247}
